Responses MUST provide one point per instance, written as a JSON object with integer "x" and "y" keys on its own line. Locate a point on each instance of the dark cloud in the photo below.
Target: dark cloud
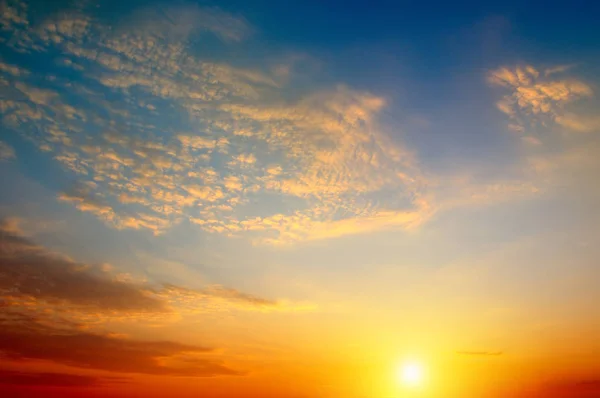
{"x": 480, "y": 353}
{"x": 47, "y": 379}
{"x": 27, "y": 269}
{"x": 593, "y": 385}
{"x": 23, "y": 337}
{"x": 581, "y": 385}
{"x": 588, "y": 388}
{"x": 48, "y": 304}
{"x": 31, "y": 272}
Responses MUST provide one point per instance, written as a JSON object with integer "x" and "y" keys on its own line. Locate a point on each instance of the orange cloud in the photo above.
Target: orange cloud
{"x": 533, "y": 95}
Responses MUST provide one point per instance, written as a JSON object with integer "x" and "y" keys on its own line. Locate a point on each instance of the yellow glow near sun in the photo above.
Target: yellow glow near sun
{"x": 411, "y": 374}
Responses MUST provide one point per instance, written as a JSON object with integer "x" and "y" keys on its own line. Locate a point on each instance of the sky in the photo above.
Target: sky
{"x": 299, "y": 199}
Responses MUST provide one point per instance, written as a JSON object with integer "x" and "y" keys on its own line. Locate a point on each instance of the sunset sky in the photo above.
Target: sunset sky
{"x": 299, "y": 199}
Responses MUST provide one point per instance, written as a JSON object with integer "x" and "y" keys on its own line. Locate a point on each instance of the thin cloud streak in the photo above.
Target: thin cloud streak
{"x": 51, "y": 379}
{"x": 480, "y": 353}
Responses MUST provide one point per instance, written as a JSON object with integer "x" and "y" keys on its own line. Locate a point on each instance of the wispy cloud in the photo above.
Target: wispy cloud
{"x": 579, "y": 123}
{"x": 218, "y": 298}
{"x": 193, "y": 296}
{"x": 6, "y": 152}
{"x": 558, "y": 69}
{"x": 480, "y": 353}
{"x": 182, "y": 20}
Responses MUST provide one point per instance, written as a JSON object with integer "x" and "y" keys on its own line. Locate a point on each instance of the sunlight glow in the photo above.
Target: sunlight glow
{"x": 411, "y": 374}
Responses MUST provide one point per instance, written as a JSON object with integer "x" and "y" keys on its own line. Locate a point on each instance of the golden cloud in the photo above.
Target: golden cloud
{"x": 321, "y": 156}
{"x": 534, "y": 95}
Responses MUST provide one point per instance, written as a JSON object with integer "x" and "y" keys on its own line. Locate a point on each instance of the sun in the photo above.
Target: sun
{"x": 411, "y": 374}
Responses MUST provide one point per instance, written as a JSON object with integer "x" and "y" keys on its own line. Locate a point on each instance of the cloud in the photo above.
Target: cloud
{"x": 216, "y": 291}
{"x": 558, "y": 69}
{"x": 535, "y": 96}
{"x": 26, "y": 338}
{"x": 531, "y": 140}
{"x": 186, "y": 138}
{"x": 49, "y": 379}
{"x": 6, "y": 152}
{"x": 180, "y": 21}
{"x": 542, "y": 106}
{"x": 469, "y": 189}
{"x": 572, "y": 388}
{"x": 591, "y": 385}
{"x": 12, "y": 69}
{"x": 35, "y": 280}
{"x": 217, "y": 298}
{"x": 579, "y": 123}
{"x": 89, "y": 204}
{"x": 53, "y": 308}
{"x": 28, "y": 270}
{"x": 480, "y": 353}
{"x": 14, "y": 15}
{"x": 86, "y": 202}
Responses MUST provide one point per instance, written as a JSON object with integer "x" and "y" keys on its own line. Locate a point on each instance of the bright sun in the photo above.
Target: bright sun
{"x": 411, "y": 374}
